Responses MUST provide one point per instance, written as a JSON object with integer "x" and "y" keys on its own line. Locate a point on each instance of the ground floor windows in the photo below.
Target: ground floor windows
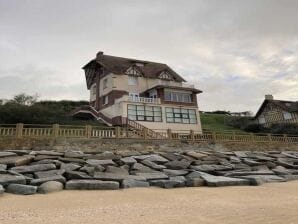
{"x": 180, "y": 115}
{"x": 144, "y": 113}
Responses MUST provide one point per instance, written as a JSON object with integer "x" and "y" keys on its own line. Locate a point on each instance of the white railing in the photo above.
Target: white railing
{"x": 143, "y": 100}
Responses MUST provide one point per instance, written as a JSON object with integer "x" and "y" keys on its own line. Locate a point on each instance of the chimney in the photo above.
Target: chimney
{"x": 269, "y": 97}
{"x": 99, "y": 54}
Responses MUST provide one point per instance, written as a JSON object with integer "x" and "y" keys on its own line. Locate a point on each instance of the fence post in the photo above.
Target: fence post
{"x": 269, "y": 137}
{"x": 145, "y": 133}
{"x": 169, "y": 134}
{"x": 214, "y": 136}
{"x": 55, "y": 130}
{"x": 234, "y": 135}
{"x": 192, "y": 135}
{"x": 117, "y": 132}
{"x": 285, "y": 137}
{"x": 252, "y": 137}
{"x": 19, "y": 130}
{"x": 88, "y": 130}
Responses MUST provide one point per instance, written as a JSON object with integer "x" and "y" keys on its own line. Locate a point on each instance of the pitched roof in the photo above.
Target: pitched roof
{"x": 289, "y": 106}
{"x": 119, "y": 65}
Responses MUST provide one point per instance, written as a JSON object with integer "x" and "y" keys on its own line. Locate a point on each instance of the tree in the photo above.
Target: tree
{"x": 24, "y": 99}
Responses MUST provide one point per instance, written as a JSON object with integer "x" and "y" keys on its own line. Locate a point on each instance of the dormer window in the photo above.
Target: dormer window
{"x": 139, "y": 64}
{"x": 165, "y": 75}
{"x": 133, "y": 70}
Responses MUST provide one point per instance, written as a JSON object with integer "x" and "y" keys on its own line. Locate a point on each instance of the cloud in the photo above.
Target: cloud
{"x": 236, "y": 51}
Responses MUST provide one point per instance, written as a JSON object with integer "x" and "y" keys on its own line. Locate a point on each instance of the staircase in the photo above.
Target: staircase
{"x": 140, "y": 129}
{"x": 136, "y": 127}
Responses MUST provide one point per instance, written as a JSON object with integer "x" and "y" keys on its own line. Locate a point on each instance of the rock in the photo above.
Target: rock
{"x": 287, "y": 163}
{"x": 74, "y": 154}
{"x": 40, "y": 181}
{"x": 89, "y": 169}
{"x": 76, "y": 175}
{"x": 1, "y": 190}
{"x": 176, "y": 165}
{"x": 69, "y": 166}
{"x": 241, "y": 154}
{"x": 117, "y": 177}
{"x": 6, "y": 179}
{"x": 280, "y": 170}
{"x": 140, "y": 168}
{"x": 49, "y": 173}
{"x": 152, "y": 165}
{"x": 20, "y": 152}
{"x": 195, "y": 182}
{"x": 16, "y": 160}
{"x": 218, "y": 181}
{"x": 251, "y": 162}
{"x": 259, "y": 179}
{"x": 211, "y": 168}
{"x": 171, "y": 156}
{"x": 194, "y": 174}
{"x": 172, "y": 173}
{"x": 234, "y": 159}
{"x": 91, "y": 185}
{"x": 142, "y": 157}
{"x": 21, "y": 189}
{"x": 245, "y": 173}
{"x": 7, "y": 154}
{"x": 167, "y": 183}
{"x": 128, "y": 160}
{"x": 107, "y": 155}
{"x": 134, "y": 183}
{"x": 72, "y": 160}
{"x": 153, "y": 176}
{"x": 3, "y": 167}
{"x": 196, "y": 155}
{"x": 157, "y": 159}
{"x": 48, "y": 153}
{"x": 43, "y": 157}
{"x": 96, "y": 162}
{"x": 33, "y": 168}
{"x": 128, "y": 153}
{"x": 118, "y": 170}
{"x": 50, "y": 186}
{"x": 57, "y": 163}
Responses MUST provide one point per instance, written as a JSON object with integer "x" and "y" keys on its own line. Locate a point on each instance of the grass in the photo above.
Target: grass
{"x": 217, "y": 122}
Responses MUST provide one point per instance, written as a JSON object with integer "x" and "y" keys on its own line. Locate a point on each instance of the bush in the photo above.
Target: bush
{"x": 291, "y": 129}
{"x": 239, "y": 122}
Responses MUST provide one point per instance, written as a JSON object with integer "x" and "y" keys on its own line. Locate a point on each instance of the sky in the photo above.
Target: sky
{"x": 236, "y": 51}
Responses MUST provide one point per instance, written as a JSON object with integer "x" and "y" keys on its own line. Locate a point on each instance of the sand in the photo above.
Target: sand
{"x": 269, "y": 203}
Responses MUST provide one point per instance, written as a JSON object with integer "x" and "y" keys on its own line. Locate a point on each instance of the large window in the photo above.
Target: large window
{"x": 180, "y": 115}
{"x": 132, "y": 81}
{"x": 178, "y": 97}
{"x": 144, "y": 113}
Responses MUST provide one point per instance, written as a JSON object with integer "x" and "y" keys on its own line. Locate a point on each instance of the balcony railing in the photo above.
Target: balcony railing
{"x": 143, "y": 100}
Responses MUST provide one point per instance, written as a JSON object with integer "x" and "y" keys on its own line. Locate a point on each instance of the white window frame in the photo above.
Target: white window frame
{"x": 105, "y": 100}
{"x": 287, "y": 115}
{"x": 105, "y": 83}
{"x": 262, "y": 119}
{"x": 132, "y": 80}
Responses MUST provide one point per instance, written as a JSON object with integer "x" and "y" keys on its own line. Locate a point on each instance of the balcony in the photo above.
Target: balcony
{"x": 172, "y": 84}
{"x": 135, "y": 99}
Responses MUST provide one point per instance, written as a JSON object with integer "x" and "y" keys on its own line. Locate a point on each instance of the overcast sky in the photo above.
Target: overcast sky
{"x": 236, "y": 51}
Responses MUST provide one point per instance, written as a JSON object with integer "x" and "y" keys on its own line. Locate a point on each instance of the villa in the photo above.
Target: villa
{"x": 143, "y": 93}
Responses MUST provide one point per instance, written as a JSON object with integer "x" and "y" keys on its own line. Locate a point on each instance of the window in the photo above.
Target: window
{"x": 165, "y": 75}
{"x": 178, "y": 97}
{"x": 132, "y": 81}
{"x": 144, "y": 113}
{"x": 105, "y": 100}
{"x": 287, "y": 115}
{"x": 179, "y": 115}
{"x": 105, "y": 83}
{"x": 262, "y": 119}
{"x": 93, "y": 92}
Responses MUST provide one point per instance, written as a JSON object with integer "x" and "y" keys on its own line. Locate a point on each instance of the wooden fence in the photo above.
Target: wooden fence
{"x": 88, "y": 131}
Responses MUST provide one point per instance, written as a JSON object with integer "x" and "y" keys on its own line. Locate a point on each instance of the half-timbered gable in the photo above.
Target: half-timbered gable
{"x": 277, "y": 111}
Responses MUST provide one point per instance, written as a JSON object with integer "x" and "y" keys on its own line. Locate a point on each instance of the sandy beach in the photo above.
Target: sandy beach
{"x": 269, "y": 203}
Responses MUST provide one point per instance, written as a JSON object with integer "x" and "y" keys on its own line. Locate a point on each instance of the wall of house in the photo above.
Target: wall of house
{"x": 274, "y": 114}
{"x": 163, "y": 126}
